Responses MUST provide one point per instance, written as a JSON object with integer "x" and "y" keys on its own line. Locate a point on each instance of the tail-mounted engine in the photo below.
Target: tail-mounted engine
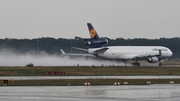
{"x": 95, "y": 43}
{"x": 152, "y": 59}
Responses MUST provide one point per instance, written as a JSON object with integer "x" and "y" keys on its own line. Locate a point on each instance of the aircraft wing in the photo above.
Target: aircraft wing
{"x": 76, "y": 55}
{"x": 82, "y": 49}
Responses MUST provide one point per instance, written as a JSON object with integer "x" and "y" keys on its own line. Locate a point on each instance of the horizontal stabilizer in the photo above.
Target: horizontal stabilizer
{"x": 80, "y": 48}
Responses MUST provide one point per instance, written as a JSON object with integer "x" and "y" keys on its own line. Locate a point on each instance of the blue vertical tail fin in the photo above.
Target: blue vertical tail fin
{"x": 95, "y": 41}
{"x": 92, "y": 31}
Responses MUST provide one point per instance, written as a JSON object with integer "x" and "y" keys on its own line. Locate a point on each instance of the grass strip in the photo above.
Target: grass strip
{"x": 89, "y": 71}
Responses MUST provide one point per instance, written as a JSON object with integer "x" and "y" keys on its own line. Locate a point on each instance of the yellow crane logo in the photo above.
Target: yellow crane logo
{"x": 92, "y": 33}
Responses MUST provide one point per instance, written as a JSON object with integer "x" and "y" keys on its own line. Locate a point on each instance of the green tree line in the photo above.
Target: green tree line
{"x": 53, "y": 46}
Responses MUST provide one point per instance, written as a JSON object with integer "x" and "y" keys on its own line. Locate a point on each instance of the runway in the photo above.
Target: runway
{"x": 165, "y": 92}
{"x": 85, "y": 77}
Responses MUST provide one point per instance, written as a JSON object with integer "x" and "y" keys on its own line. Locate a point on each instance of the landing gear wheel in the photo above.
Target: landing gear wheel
{"x": 136, "y": 64}
{"x": 160, "y": 64}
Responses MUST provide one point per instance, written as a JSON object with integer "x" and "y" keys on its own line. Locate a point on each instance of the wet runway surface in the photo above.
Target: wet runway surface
{"x": 85, "y": 77}
{"x": 163, "y": 92}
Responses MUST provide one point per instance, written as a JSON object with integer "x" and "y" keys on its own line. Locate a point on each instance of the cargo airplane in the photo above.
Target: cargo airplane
{"x": 98, "y": 48}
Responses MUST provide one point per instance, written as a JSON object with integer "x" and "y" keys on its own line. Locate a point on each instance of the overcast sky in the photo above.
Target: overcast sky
{"x": 111, "y": 18}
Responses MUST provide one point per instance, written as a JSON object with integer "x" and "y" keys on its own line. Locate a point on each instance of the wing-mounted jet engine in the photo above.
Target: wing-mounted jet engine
{"x": 152, "y": 59}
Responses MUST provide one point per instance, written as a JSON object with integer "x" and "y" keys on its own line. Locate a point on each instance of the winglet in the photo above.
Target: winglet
{"x": 63, "y": 53}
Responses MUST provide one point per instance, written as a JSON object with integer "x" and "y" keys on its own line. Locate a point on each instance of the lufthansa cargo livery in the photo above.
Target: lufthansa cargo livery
{"x": 98, "y": 48}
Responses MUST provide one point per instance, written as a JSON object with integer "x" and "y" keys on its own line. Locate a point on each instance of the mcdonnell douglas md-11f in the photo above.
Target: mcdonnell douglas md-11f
{"x": 98, "y": 48}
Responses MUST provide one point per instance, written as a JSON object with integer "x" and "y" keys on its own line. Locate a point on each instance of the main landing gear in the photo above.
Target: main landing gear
{"x": 136, "y": 63}
{"x": 160, "y": 63}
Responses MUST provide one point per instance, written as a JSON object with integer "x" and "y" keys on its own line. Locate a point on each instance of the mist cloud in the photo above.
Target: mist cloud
{"x": 11, "y": 58}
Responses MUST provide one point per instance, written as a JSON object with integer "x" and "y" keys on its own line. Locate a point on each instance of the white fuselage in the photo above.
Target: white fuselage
{"x": 130, "y": 52}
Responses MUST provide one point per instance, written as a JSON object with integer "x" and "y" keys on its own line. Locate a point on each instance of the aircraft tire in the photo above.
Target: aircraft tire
{"x": 136, "y": 64}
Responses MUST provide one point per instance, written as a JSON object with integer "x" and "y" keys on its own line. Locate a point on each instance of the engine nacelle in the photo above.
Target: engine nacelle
{"x": 96, "y": 42}
{"x": 152, "y": 59}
